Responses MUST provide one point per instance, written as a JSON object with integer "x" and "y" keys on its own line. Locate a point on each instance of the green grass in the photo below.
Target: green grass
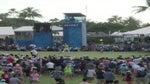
{"x": 45, "y": 79}
{"x": 80, "y": 54}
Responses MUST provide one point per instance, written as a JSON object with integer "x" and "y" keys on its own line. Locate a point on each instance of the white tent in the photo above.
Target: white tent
{"x": 24, "y": 29}
{"x": 6, "y": 31}
{"x": 117, "y": 34}
{"x": 57, "y": 28}
{"x": 141, "y": 31}
{"x": 30, "y": 29}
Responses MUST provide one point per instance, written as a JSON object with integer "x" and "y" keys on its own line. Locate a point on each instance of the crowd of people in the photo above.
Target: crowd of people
{"x": 132, "y": 70}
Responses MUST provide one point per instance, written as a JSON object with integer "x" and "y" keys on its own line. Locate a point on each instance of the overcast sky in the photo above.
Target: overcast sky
{"x": 96, "y": 10}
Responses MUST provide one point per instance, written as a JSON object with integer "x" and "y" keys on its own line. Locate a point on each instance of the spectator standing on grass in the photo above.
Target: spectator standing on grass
{"x": 90, "y": 74}
{"x": 140, "y": 76}
{"x": 34, "y": 52}
{"x": 128, "y": 77}
{"x": 34, "y": 77}
{"x": 50, "y": 66}
{"x": 14, "y": 80}
{"x": 5, "y": 76}
{"x": 109, "y": 77}
{"x": 68, "y": 71}
{"x": 148, "y": 77}
{"x": 123, "y": 69}
{"x": 57, "y": 74}
{"x": 100, "y": 76}
{"x": 66, "y": 48}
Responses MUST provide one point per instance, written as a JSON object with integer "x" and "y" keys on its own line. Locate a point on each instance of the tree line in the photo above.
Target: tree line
{"x": 26, "y": 17}
{"x": 19, "y": 18}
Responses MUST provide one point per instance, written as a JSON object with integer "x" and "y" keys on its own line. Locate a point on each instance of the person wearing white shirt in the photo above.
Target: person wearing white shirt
{"x": 50, "y": 66}
{"x": 34, "y": 53}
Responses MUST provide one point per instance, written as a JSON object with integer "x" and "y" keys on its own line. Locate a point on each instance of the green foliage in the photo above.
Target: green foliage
{"x": 56, "y": 22}
{"x": 29, "y": 13}
{"x": 140, "y": 9}
{"x": 26, "y": 17}
{"x": 19, "y": 18}
{"x": 115, "y": 23}
{"x": 16, "y": 22}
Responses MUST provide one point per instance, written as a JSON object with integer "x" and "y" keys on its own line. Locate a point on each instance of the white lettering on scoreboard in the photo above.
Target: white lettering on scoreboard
{"x": 71, "y": 25}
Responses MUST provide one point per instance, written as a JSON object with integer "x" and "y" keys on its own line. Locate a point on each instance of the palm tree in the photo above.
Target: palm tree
{"x": 115, "y": 19}
{"x": 30, "y": 13}
{"x": 3, "y": 16}
{"x": 143, "y": 8}
{"x": 12, "y": 12}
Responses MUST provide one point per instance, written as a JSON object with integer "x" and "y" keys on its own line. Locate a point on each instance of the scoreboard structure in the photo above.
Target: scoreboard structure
{"x": 43, "y": 35}
{"x": 74, "y": 30}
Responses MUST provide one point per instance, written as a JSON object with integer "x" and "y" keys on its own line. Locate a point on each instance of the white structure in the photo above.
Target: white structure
{"x": 30, "y": 29}
{"x": 6, "y": 31}
{"x": 142, "y": 31}
{"x": 24, "y": 32}
{"x": 24, "y": 29}
{"x": 84, "y": 31}
{"x": 118, "y": 33}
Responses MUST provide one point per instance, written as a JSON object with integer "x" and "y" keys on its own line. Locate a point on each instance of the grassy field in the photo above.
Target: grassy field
{"x": 46, "y": 79}
{"x": 80, "y": 54}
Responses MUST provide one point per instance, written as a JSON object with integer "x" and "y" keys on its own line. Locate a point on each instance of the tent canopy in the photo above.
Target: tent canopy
{"x": 24, "y": 29}
{"x": 30, "y": 29}
{"x": 6, "y": 31}
{"x": 117, "y": 33}
{"x": 144, "y": 31}
{"x": 57, "y": 28}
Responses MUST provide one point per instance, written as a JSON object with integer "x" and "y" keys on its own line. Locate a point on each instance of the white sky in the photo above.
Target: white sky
{"x": 97, "y": 10}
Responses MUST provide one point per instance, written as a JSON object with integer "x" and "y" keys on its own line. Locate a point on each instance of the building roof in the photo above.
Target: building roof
{"x": 6, "y": 31}
{"x": 30, "y": 29}
{"x": 74, "y": 14}
{"x": 117, "y": 33}
{"x": 145, "y": 31}
{"x": 24, "y": 29}
{"x": 57, "y": 28}
{"x": 96, "y": 34}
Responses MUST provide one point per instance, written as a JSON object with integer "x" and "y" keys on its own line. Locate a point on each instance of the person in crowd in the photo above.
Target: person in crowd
{"x": 109, "y": 77}
{"x": 123, "y": 69}
{"x": 34, "y": 52}
{"x": 66, "y": 48}
{"x": 17, "y": 69}
{"x": 14, "y": 80}
{"x": 90, "y": 74}
{"x": 140, "y": 76}
{"x": 68, "y": 71}
{"x": 148, "y": 77}
{"x": 116, "y": 81}
{"x": 50, "y": 67}
{"x": 128, "y": 77}
{"x": 85, "y": 81}
{"x": 2, "y": 81}
{"x": 34, "y": 77}
{"x": 100, "y": 76}
{"x": 5, "y": 76}
{"x": 57, "y": 74}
